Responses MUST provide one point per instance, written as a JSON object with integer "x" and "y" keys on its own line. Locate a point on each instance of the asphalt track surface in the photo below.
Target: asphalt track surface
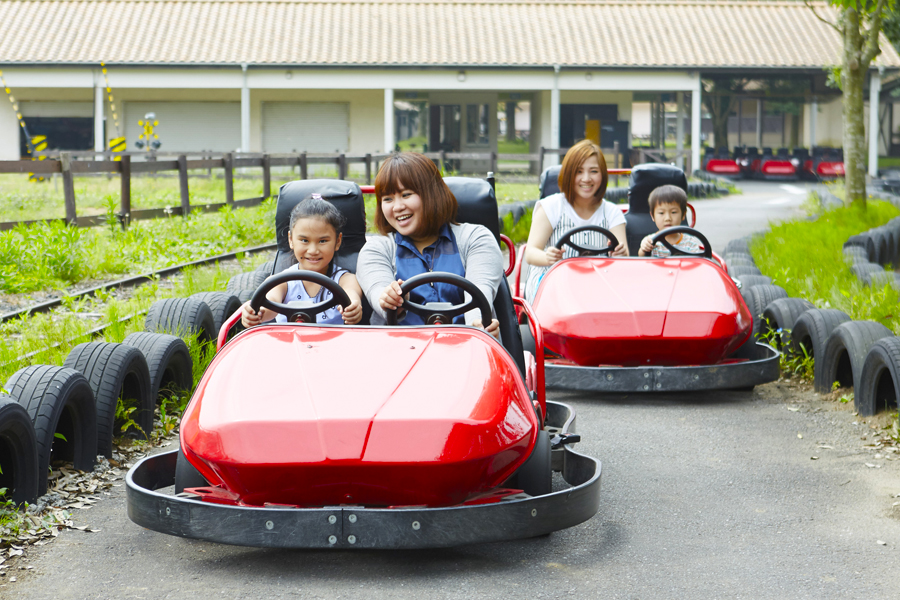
{"x": 704, "y": 496}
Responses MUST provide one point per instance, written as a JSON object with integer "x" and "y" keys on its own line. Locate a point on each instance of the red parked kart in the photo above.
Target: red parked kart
{"x": 646, "y": 324}
{"x": 315, "y": 436}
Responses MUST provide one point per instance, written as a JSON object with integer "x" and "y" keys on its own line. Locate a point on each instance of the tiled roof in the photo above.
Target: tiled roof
{"x": 593, "y": 33}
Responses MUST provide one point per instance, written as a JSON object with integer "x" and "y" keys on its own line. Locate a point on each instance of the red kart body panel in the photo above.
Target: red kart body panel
{"x": 830, "y": 169}
{"x": 635, "y": 312}
{"x": 778, "y": 167}
{"x": 304, "y": 415}
{"x": 722, "y": 166}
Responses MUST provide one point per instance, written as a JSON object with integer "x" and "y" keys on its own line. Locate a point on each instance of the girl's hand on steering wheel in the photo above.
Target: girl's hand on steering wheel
{"x": 493, "y": 328}
{"x": 554, "y": 255}
{"x": 391, "y": 297}
{"x": 353, "y": 313}
{"x": 249, "y": 318}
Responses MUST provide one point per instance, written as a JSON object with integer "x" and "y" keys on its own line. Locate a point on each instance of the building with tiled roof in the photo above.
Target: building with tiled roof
{"x": 341, "y": 75}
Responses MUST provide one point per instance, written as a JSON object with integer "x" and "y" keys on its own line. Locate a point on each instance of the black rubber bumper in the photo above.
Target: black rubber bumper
{"x": 761, "y": 366}
{"x": 517, "y": 517}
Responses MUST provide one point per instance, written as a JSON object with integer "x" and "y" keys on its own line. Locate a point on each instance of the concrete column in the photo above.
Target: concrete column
{"x": 696, "y": 116}
{"x": 813, "y": 113}
{"x": 99, "y": 99}
{"x": 679, "y": 128}
{"x": 553, "y": 142}
{"x": 245, "y": 112}
{"x": 759, "y": 128}
{"x": 874, "y": 121}
{"x": 389, "y": 140}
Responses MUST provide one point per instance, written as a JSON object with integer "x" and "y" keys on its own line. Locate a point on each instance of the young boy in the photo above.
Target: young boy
{"x": 668, "y": 205}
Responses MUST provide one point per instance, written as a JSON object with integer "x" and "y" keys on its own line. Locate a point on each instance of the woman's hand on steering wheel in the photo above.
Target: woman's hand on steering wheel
{"x": 614, "y": 247}
{"x": 442, "y": 314}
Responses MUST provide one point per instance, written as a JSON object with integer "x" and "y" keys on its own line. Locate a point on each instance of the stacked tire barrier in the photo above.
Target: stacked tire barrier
{"x": 864, "y": 355}
{"x": 870, "y": 252}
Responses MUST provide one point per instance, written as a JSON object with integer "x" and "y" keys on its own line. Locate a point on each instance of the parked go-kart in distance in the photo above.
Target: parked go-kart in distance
{"x": 630, "y": 324}
{"x": 319, "y": 436}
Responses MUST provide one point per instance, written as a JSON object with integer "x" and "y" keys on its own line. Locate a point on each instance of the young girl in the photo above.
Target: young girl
{"x": 668, "y": 205}
{"x": 315, "y": 236}
{"x": 583, "y": 180}
{"x": 416, "y": 215}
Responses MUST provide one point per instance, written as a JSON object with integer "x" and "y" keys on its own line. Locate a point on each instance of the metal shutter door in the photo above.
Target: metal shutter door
{"x": 305, "y": 126}
{"x": 187, "y": 126}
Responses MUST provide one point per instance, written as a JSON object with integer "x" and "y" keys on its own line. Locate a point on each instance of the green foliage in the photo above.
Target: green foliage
{"x": 517, "y": 232}
{"x": 805, "y": 258}
{"x": 790, "y": 362}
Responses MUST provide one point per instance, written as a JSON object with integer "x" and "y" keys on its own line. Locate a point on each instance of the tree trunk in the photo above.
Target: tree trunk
{"x": 852, "y": 81}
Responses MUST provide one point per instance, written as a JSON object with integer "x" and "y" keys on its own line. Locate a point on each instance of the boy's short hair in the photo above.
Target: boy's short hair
{"x": 668, "y": 194}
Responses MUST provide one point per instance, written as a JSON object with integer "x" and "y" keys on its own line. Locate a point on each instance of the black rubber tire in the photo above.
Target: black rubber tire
{"x": 737, "y": 253}
{"x": 879, "y": 384}
{"x": 168, "y": 360}
{"x": 245, "y": 295}
{"x": 245, "y": 281}
{"x": 748, "y": 281}
{"x": 527, "y": 339}
{"x": 885, "y": 244}
{"x": 18, "y": 453}
{"x": 114, "y": 371}
{"x": 267, "y": 267}
{"x": 811, "y": 330}
{"x": 884, "y": 278}
{"x": 535, "y": 476}
{"x": 58, "y": 400}
{"x": 845, "y": 353}
{"x": 864, "y": 271}
{"x": 182, "y": 317}
{"x": 738, "y": 245}
{"x": 855, "y": 254}
{"x": 186, "y": 475}
{"x": 221, "y": 304}
{"x": 866, "y": 242}
{"x": 744, "y": 260}
{"x": 738, "y": 270}
{"x": 758, "y": 298}
{"x": 782, "y": 314}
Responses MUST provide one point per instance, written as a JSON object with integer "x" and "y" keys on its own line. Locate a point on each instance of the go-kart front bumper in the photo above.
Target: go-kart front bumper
{"x": 514, "y": 517}
{"x": 761, "y": 365}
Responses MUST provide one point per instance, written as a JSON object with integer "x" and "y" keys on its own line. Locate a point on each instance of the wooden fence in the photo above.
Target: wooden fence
{"x": 70, "y": 164}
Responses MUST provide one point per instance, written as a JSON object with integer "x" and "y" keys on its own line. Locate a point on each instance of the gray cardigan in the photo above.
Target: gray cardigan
{"x": 480, "y": 253}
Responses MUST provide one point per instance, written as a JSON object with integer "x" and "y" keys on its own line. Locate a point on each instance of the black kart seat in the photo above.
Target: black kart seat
{"x": 738, "y": 152}
{"x": 550, "y": 181}
{"x": 783, "y": 153}
{"x": 478, "y": 204}
{"x": 644, "y": 179}
{"x": 801, "y": 154}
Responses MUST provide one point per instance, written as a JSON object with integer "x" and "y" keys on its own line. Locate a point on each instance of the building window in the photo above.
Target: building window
{"x": 477, "y": 124}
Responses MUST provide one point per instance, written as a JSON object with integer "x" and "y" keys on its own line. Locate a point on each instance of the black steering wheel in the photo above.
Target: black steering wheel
{"x": 584, "y": 251}
{"x": 661, "y": 237}
{"x": 442, "y": 313}
{"x": 307, "y": 311}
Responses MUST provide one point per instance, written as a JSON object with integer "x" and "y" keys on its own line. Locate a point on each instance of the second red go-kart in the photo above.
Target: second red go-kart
{"x": 646, "y": 324}
{"x": 314, "y": 436}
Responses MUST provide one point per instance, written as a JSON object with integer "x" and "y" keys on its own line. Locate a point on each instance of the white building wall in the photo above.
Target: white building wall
{"x": 9, "y": 133}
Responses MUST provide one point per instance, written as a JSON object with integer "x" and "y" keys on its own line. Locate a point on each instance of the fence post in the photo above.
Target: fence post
{"x": 368, "y": 169}
{"x": 65, "y": 163}
{"x": 303, "y": 169}
{"x": 267, "y": 176}
{"x": 342, "y": 166}
{"x": 125, "y": 202}
{"x": 183, "y": 186}
{"x": 228, "y": 164}
{"x": 493, "y": 162}
{"x": 541, "y": 161}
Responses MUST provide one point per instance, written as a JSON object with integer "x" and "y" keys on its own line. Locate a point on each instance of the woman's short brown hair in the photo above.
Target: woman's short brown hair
{"x": 668, "y": 194}
{"x": 414, "y": 172}
{"x": 573, "y": 160}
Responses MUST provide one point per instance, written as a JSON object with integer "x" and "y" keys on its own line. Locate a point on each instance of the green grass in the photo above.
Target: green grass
{"x": 516, "y": 147}
{"x": 805, "y": 258}
{"x": 54, "y": 256}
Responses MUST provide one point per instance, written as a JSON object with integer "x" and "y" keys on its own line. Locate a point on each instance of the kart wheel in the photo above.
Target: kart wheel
{"x": 845, "y": 353}
{"x": 811, "y": 331}
{"x": 880, "y": 379}
{"x": 115, "y": 371}
{"x": 780, "y": 315}
{"x": 865, "y": 271}
{"x": 181, "y": 317}
{"x": 527, "y": 339}
{"x": 535, "y": 476}
{"x": 758, "y": 298}
{"x": 738, "y": 270}
{"x": 221, "y": 304}
{"x": 18, "y": 453}
{"x": 168, "y": 360}
{"x": 186, "y": 476}
{"x": 58, "y": 401}
{"x": 245, "y": 281}
{"x": 748, "y": 281}
{"x": 267, "y": 267}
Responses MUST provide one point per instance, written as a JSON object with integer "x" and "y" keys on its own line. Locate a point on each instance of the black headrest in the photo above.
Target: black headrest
{"x": 722, "y": 152}
{"x": 550, "y": 181}
{"x": 818, "y": 151}
{"x": 477, "y": 202}
{"x": 345, "y": 195}
{"x": 767, "y": 151}
{"x": 801, "y": 153}
{"x": 752, "y": 151}
{"x": 783, "y": 153}
{"x": 707, "y": 151}
{"x": 738, "y": 151}
{"x": 646, "y": 178}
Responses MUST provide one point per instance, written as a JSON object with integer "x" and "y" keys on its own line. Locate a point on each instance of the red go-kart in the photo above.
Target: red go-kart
{"x": 305, "y": 435}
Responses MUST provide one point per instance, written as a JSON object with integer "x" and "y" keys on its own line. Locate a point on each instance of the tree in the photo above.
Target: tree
{"x": 859, "y": 24}
{"x": 721, "y": 96}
